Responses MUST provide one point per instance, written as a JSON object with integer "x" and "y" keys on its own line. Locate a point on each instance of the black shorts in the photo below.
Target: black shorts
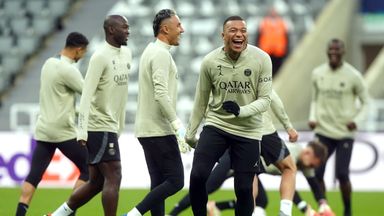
{"x": 44, "y": 151}
{"x": 102, "y": 146}
{"x": 244, "y": 152}
{"x": 273, "y": 148}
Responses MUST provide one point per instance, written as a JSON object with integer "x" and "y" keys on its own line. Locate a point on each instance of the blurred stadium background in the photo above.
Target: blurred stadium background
{"x": 33, "y": 30}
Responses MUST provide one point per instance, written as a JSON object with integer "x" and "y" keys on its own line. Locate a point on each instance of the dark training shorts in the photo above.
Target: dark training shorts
{"x": 273, "y": 148}
{"x": 44, "y": 151}
{"x": 244, "y": 152}
{"x": 102, "y": 147}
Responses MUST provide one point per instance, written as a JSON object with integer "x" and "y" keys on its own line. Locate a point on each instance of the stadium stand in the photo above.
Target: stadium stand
{"x": 22, "y": 86}
{"x": 311, "y": 23}
{"x": 24, "y": 24}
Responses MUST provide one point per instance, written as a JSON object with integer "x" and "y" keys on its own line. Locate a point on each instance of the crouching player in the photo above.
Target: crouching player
{"x": 307, "y": 159}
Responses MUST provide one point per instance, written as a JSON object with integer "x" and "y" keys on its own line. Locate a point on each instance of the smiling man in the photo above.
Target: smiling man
{"x": 334, "y": 114}
{"x": 159, "y": 130}
{"x": 239, "y": 78}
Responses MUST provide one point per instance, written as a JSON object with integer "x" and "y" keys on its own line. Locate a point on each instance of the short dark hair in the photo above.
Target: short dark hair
{"x": 232, "y": 18}
{"x": 159, "y": 17}
{"x": 319, "y": 149}
{"x": 76, "y": 39}
{"x": 336, "y": 40}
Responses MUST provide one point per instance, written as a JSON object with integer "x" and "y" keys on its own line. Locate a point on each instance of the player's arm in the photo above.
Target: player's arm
{"x": 123, "y": 113}
{"x": 73, "y": 79}
{"x": 278, "y": 110}
{"x": 312, "y": 112}
{"x": 316, "y": 189}
{"x": 324, "y": 208}
{"x": 361, "y": 91}
{"x": 160, "y": 66}
{"x": 203, "y": 90}
{"x": 95, "y": 69}
{"x": 264, "y": 88}
{"x": 121, "y": 122}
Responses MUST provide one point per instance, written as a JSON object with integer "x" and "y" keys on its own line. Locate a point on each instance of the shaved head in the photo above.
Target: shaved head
{"x": 336, "y": 41}
{"x": 112, "y": 20}
{"x": 116, "y": 29}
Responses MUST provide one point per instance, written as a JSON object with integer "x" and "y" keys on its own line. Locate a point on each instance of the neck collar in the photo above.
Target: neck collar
{"x": 109, "y": 46}
{"x": 163, "y": 44}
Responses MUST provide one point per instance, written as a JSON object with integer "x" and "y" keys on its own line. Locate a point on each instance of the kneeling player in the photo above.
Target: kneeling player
{"x": 307, "y": 159}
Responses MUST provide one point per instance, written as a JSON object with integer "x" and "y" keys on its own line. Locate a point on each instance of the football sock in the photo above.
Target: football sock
{"x": 259, "y": 211}
{"x": 184, "y": 203}
{"x": 175, "y": 210}
{"x": 226, "y": 205}
{"x": 134, "y": 212}
{"x": 21, "y": 209}
{"x": 286, "y": 207}
{"x": 63, "y": 210}
{"x": 302, "y": 206}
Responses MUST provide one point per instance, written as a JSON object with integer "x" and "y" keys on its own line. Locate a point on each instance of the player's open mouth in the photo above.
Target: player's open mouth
{"x": 238, "y": 43}
{"x": 334, "y": 57}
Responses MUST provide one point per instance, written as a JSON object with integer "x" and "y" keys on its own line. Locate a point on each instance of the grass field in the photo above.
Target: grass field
{"x": 46, "y": 200}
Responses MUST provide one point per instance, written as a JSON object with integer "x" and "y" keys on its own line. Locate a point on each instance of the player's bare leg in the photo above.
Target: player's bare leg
{"x": 288, "y": 170}
{"x": 112, "y": 178}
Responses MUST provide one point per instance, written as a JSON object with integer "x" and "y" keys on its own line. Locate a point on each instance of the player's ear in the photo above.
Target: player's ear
{"x": 164, "y": 28}
{"x": 111, "y": 29}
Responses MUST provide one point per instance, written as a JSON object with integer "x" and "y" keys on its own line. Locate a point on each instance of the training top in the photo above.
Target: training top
{"x": 247, "y": 81}
{"x": 278, "y": 110}
{"x": 157, "y": 96}
{"x": 294, "y": 150}
{"x": 334, "y": 97}
{"x": 60, "y": 81}
{"x": 102, "y": 104}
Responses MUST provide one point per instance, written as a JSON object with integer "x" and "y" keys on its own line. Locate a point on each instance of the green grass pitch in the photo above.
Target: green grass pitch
{"x": 46, "y": 200}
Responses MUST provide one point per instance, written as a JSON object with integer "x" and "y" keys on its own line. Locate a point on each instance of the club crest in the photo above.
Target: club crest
{"x": 247, "y": 72}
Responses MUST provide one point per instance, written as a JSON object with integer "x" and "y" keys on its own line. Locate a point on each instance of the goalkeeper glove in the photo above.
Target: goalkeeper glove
{"x": 231, "y": 107}
{"x": 180, "y": 134}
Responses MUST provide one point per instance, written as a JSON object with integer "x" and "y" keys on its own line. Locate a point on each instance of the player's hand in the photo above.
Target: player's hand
{"x": 192, "y": 142}
{"x": 351, "y": 126}
{"x": 312, "y": 125}
{"x": 231, "y": 107}
{"x": 82, "y": 142}
{"x": 183, "y": 146}
{"x": 180, "y": 134}
{"x": 325, "y": 210}
{"x": 293, "y": 135}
